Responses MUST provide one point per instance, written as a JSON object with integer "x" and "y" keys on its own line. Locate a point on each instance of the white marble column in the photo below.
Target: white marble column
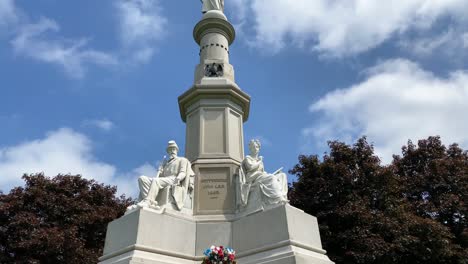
{"x": 214, "y": 109}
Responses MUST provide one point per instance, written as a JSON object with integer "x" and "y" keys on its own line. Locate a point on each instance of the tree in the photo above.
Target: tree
{"x": 436, "y": 184}
{"x": 370, "y": 213}
{"x": 58, "y": 220}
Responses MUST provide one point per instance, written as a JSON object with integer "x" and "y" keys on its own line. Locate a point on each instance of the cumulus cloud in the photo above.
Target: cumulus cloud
{"x": 397, "y": 101}
{"x": 8, "y": 13}
{"x": 131, "y": 188}
{"x": 60, "y": 152}
{"x": 342, "y": 27}
{"x": 40, "y": 41}
{"x": 452, "y": 42}
{"x": 33, "y": 41}
{"x": 240, "y": 6}
{"x": 103, "y": 124}
{"x": 465, "y": 40}
{"x": 141, "y": 26}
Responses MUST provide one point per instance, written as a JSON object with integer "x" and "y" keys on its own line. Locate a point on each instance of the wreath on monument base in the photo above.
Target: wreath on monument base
{"x": 219, "y": 255}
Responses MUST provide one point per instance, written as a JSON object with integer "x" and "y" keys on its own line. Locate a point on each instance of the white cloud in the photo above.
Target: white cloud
{"x": 8, "y": 13}
{"x": 60, "y": 152}
{"x": 128, "y": 181}
{"x": 343, "y": 27}
{"x": 240, "y": 7}
{"x": 103, "y": 124}
{"x": 33, "y": 41}
{"x": 397, "y": 101}
{"x": 141, "y": 25}
{"x": 465, "y": 40}
{"x": 452, "y": 42}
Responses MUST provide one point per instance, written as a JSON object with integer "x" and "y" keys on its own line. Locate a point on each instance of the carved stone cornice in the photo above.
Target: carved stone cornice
{"x": 228, "y": 90}
{"x": 214, "y": 25}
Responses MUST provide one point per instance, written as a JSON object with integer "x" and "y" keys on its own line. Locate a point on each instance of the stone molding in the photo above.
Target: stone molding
{"x": 214, "y": 25}
{"x": 150, "y": 250}
{"x": 229, "y": 90}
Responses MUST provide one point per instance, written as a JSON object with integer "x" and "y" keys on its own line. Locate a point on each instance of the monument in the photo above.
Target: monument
{"x": 215, "y": 195}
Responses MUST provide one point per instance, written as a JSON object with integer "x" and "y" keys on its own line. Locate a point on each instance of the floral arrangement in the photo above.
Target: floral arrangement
{"x": 219, "y": 255}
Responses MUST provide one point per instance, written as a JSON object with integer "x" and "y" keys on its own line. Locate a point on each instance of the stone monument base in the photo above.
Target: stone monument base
{"x": 281, "y": 235}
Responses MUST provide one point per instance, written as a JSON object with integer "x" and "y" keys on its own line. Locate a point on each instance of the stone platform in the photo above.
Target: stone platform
{"x": 281, "y": 235}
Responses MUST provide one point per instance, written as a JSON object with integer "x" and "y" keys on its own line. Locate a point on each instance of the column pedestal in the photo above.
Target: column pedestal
{"x": 215, "y": 110}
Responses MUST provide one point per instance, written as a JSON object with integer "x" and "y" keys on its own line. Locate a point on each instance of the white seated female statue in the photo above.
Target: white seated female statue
{"x": 273, "y": 187}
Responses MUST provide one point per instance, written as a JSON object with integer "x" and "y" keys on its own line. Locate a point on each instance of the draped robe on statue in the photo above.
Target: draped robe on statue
{"x": 212, "y": 5}
{"x": 273, "y": 187}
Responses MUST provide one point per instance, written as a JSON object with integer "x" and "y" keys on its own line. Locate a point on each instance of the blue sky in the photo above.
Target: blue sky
{"x": 90, "y": 87}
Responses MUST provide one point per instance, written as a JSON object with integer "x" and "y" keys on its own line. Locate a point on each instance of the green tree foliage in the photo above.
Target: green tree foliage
{"x": 411, "y": 211}
{"x": 58, "y": 220}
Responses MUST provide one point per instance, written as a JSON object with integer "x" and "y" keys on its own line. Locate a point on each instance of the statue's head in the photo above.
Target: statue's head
{"x": 172, "y": 148}
{"x": 254, "y": 146}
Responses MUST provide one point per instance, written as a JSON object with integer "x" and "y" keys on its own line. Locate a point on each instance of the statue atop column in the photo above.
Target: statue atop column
{"x": 212, "y": 5}
{"x": 174, "y": 174}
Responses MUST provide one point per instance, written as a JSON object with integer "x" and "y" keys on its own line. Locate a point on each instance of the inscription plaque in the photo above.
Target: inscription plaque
{"x": 215, "y": 191}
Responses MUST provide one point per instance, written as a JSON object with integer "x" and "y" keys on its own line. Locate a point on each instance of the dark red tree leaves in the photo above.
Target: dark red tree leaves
{"x": 58, "y": 220}
{"x": 411, "y": 211}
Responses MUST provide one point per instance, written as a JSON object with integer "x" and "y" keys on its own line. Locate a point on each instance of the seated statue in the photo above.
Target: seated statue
{"x": 273, "y": 187}
{"x": 174, "y": 174}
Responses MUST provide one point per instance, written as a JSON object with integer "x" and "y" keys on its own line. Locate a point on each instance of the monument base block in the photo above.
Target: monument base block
{"x": 286, "y": 255}
{"x": 281, "y": 235}
{"x": 146, "y": 257}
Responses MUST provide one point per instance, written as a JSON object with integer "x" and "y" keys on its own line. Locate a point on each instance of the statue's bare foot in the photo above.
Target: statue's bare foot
{"x": 155, "y": 207}
{"x": 142, "y": 204}
{"x": 132, "y": 207}
{"x": 148, "y": 204}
